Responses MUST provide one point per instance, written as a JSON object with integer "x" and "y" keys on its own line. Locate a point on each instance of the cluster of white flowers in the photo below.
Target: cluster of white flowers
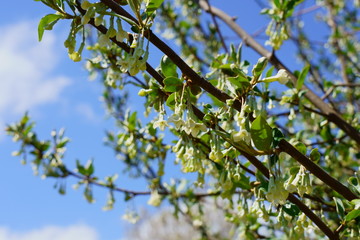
{"x": 300, "y": 182}
{"x": 190, "y": 157}
{"x": 276, "y": 194}
{"x": 132, "y": 62}
{"x": 135, "y": 61}
{"x": 242, "y": 135}
{"x": 131, "y": 216}
{"x": 277, "y": 32}
{"x": 259, "y": 209}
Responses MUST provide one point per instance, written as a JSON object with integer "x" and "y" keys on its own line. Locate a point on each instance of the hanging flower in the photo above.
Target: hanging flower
{"x": 282, "y": 77}
{"x": 193, "y": 128}
{"x": 160, "y": 123}
{"x": 276, "y": 194}
{"x": 177, "y": 120}
{"x": 155, "y": 199}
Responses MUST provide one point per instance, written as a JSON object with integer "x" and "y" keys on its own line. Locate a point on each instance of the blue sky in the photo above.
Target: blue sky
{"x": 39, "y": 78}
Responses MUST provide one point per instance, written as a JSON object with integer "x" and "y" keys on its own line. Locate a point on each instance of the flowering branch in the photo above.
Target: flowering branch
{"x": 188, "y": 71}
{"x": 331, "y": 114}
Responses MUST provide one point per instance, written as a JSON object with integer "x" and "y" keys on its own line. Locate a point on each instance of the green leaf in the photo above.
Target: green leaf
{"x": 302, "y": 76}
{"x": 168, "y": 68}
{"x": 89, "y": 168}
{"x": 47, "y": 23}
{"x": 291, "y": 209}
{"x": 352, "y": 215}
{"x": 195, "y": 89}
{"x": 269, "y": 72}
{"x": 132, "y": 121}
{"x": 238, "y": 54}
{"x": 170, "y": 101}
{"x": 274, "y": 158}
{"x": 239, "y": 82}
{"x": 315, "y": 155}
{"x": 259, "y": 67}
{"x": 172, "y": 84}
{"x": 355, "y": 183}
{"x": 152, "y": 5}
{"x": 261, "y": 134}
{"x": 128, "y": 197}
{"x": 301, "y": 148}
{"x": 277, "y": 136}
{"x": 226, "y": 69}
{"x": 80, "y": 168}
{"x": 356, "y": 203}
{"x": 340, "y": 209}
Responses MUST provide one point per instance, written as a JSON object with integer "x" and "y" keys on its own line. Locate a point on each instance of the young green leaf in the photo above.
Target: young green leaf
{"x": 168, "y": 68}
{"x": 170, "y": 101}
{"x": 302, "y": 76}
{"x": 315, "y": 155}
{"x": 152, "y": 5}
{"x": 261, "y": 134}
{"x": 259, "y": 67}
{"x": 352, "y": 215}
{"x": 47, "y": 23}
{"x": 340, "y": 209}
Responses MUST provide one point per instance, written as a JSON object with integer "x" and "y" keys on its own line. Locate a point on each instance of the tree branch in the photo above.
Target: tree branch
{"x": 316, "y": 170}
{"x": 207, "y": 86}
{"x": 331, "y": 114}
{"x": 221, "y": 96}
{"x": 217, "y": 28}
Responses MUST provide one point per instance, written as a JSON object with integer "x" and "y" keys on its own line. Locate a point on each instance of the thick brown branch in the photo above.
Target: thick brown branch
{"x": 217, "y": 93}
{"x": 316, "y": 170}
{"x": 331, "y": 114}
{"x": 188, "y": 71}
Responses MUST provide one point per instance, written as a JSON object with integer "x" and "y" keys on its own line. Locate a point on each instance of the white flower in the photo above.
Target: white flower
{"x": 194, "y": 128}
{"x": 216, "y": 155}
{"x": 282, "y": 77}
{"x": 75, "y": 56}
{"x": 241, "y": 135}
{"x": 189, "y": 154}
{"x": 197, "y": 223}
{"x": 160, "y": 123}
{"x": 276, "y": 194}
{"x": 104, "y": 41}
{"x": 177, "y": 120}
{"x": 131, "y": 217}
{"x": 155, "y": 199}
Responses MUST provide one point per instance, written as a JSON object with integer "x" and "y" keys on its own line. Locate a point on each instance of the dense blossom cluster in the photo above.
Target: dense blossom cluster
{"x": 261, "y": 149}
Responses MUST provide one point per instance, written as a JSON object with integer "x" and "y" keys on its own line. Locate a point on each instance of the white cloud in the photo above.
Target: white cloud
{"x": 73, "y": 232}
{"x": 26, "y": 69}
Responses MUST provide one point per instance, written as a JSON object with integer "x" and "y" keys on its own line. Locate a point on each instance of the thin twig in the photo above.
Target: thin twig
{"x": 332, "y": 88}
{"x": 217, "y": 28}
